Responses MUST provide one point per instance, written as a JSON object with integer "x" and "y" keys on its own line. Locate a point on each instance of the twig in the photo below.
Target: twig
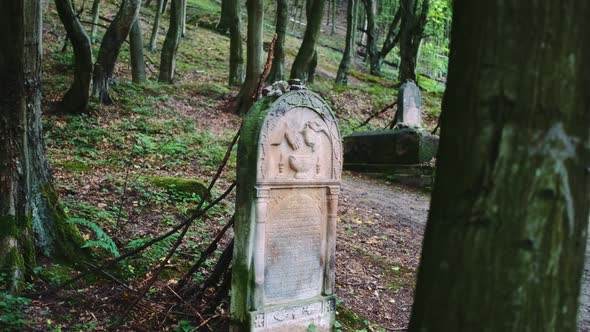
{"x": 123, "y": 195}
{"x": 372, "y": 116}
{"x": 267, "y": 66}
{"x": 437, "y": 125}
{"x": 205, "y": 322}
{"x": 210, "y": 249}
{"x": 185, "y": 229}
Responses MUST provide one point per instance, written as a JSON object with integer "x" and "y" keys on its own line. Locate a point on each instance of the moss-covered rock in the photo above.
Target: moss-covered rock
{"x": 183, "y": 185}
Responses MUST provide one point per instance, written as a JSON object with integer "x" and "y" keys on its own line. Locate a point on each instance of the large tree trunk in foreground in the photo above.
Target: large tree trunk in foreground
{"x": 76, "y": 98}
{"x": 170, "y": 48}
{"x": 156, "y": 26}
{"x": 254, "y": 64}
{"x": 111, "y": 44}
{"x": 31, "y": 218}
{"x": 342, "y": 75}
{"x": 411, "y": 33}
{"x": 504, "y": 245}
{"x": 305, "y": 57}
{"x": 277, "y": 71}
{"x": 136, "y": 52}
{"x": 236, "y": 59}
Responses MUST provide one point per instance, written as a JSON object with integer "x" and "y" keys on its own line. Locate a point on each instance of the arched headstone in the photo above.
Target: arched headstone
{"x": 289, "y": 165}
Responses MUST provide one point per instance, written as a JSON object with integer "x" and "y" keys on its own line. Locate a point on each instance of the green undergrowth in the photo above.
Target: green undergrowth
{"x": 350, "y": 321}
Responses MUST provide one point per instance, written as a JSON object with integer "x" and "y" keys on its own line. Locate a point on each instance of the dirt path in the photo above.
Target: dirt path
{"x": 380, "y": 236}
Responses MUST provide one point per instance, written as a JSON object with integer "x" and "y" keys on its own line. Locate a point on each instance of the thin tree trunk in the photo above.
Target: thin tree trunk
{"x": 236, "y": 59}
{"x": 31, "y": 217}
{"x": 391, "y": 40}
{"x": 111, "y": 44}
{"x": 156, "y": 26}
{"x": 277, "y": 71}
{"x": 164, "y": 6}
{"x": 342, "y": 76}
{"x": 334, "y": 9}
{"x": 371, "y": 10}
{"x": 411, "y": 33}
{"x": 95, "y": 15}
{"x": 170, "y": 47}
{"x": 254, "y": 64}
{"x": 183, "y": 23}
{"x": 76, "y": 98}
{"x": 224, "y": 17}
{"x": 506, "y": 234}
{"x": 136, "y": 52}
{"x": 305, "y": 57}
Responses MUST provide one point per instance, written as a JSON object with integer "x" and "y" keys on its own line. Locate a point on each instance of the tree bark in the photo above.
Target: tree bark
{"x": 254, "y": 64}
{"x": 371, "y": 10}
{"x": 76, "y": 98}
{"x": 95, "y": 15}
{"x": 225, "y": 17}
{"x": 111, "y": 44}
{"x": 411, "y": 32}
{"x": 156, "y": 26}
{"x": 342, "y": 76}
{"x": 183, "y": 16}
{"x": 32, "y": 220}
{"x": 136, "y": 53}
{"x": 236, "y": 59}
{"x": 391, "y": 40}
{"x": 506, "y": 233}
{"x": 170, "y": 47}
{"x": 277, "y": 71}
{"x": 305, "y": 57}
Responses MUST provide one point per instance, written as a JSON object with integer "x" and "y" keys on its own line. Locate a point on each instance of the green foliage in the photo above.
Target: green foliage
{"x": 103, "y": 240}
{"x": 154, "y": 253}
{"x": 184, "y": 326}
{"x": 12, "y": 317}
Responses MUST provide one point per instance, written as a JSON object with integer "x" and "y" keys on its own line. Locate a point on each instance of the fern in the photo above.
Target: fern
{"x": 156, "y": 251}
{"x": 103, "y": 240}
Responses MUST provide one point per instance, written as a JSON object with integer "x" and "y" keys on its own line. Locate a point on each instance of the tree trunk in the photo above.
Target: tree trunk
{"x": 136, "y": 52}
{"x": 342, "y": 76}
{"x": 95, "y": 15}
{"x": 506, "y": 233}
{"x": 76, "y": 98}
{"x": 334, "y": 9}
{"x": 305, "y": 57}
{"x": 411, "y": 32}
{"x": 183, "y": 16}
{"x": 236, "y": 59}
{"x": 371, "y": 10}
{"x": 156, "y": 26}
{"x": 254, "y": 64}
{"x": 31, "y": 218}
{"x": 277, "y": 71}
{"x": 170, "y": 47}
{"x": 111, "y": 44}
{"x": 391, "y": 40}
{"x": 225, "y": 17}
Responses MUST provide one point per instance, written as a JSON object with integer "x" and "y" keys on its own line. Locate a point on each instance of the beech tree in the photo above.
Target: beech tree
{"x": 371, "y": 33}
{"x": 156, "y": 26}
{"x": 170, "y": 47}
{"x": 136, "y": 52}
{"x": 254, "y": 64}
{"x": 236, "y": 59}
{"x": 342, "y": 75}
{"x": 110, "y": 46}
{"x": 95, "y": 11}
{"x": 32, "y": 219}
{"x": 224, "y": 17}
{"x": 411, "y": 34}
{"x": 306, "y": 59}
{"x": 506, "y": 233}
{"x": 76, "y": 98}
{"x": 277, "y": 71}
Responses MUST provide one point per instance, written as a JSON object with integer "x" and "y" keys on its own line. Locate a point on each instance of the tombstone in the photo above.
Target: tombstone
{"x": 409, "y": 105}
{"x": 289, "y": 166}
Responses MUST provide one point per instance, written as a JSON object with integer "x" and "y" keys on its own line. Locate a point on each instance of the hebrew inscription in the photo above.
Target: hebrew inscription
{"x": 294, "y": 245}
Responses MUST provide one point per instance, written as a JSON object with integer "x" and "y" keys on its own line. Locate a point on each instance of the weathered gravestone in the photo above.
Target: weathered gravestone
{"x": 289, "y": 165}
{"x": 409, "y": 105}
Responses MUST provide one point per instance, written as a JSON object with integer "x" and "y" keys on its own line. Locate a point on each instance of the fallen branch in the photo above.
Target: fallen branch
{"x": 375, "y": 114}
{"x": 267, "y": 66}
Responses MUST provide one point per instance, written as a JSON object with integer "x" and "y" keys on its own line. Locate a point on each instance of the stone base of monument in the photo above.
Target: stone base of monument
{"x": 403, "y": 154}
{"x": 317, "y": 314}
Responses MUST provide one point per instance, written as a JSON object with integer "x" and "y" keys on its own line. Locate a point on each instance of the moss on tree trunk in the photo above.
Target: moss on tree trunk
{"x": 506, "y": 234}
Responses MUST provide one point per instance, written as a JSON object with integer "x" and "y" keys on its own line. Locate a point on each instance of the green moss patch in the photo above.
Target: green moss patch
{"x": 183, "y": 185}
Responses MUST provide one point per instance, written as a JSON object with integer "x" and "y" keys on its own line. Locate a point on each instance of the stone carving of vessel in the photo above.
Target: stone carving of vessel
{"x": 301, "y": 164}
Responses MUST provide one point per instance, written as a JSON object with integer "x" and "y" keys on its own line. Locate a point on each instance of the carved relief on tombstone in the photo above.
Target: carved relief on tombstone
{"x": 289, "y": 165}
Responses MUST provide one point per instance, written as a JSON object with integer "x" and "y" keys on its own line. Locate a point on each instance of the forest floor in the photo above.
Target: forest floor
{"x": 131, "y": 171}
